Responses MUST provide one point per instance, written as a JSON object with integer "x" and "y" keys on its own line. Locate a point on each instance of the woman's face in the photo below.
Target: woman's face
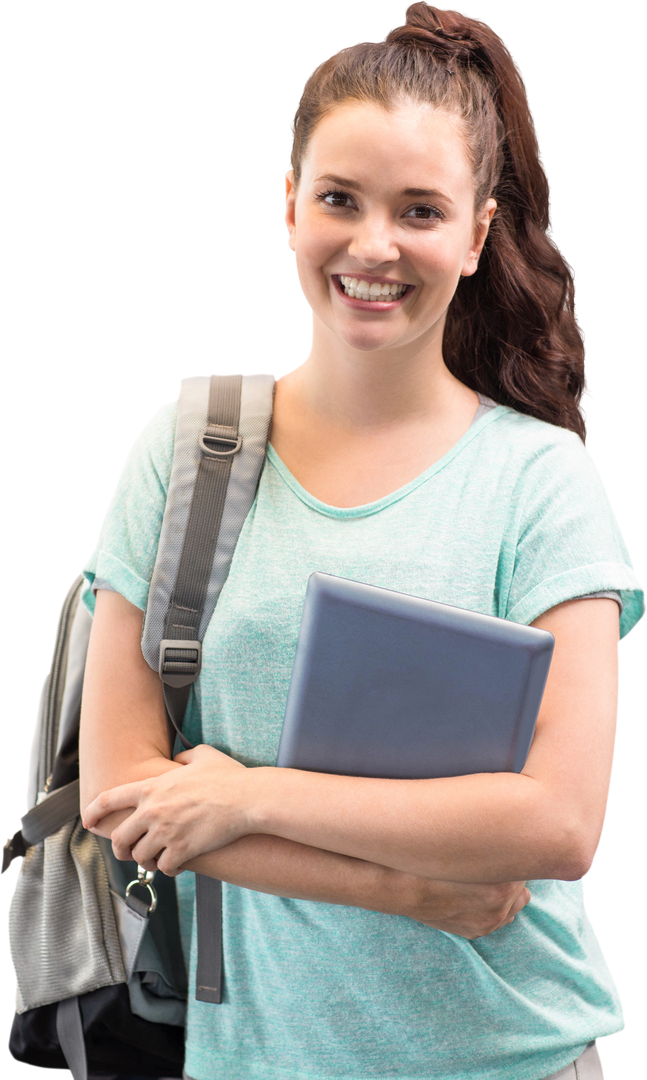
{"x": 385, "y": 199}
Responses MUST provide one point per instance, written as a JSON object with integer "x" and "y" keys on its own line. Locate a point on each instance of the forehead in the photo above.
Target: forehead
{"x": 407, "y": 146}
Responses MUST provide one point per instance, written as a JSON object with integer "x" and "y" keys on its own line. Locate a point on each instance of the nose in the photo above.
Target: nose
{"x": 373, "y": 244}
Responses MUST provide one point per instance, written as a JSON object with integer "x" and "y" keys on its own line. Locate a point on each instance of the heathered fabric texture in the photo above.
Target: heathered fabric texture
{"x": 510, "y": 522}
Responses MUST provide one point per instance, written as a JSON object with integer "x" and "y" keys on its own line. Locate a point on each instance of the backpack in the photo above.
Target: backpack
{"x": 102, "y": 984}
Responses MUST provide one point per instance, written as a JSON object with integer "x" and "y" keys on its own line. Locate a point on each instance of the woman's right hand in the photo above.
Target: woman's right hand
{"x": 468, "y": 910}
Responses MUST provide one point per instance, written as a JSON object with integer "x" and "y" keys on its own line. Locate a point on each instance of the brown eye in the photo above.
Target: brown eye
{"x": 424, "y": 213}
{"x": 342, "y": 194}
{"x": 335, "y": 198}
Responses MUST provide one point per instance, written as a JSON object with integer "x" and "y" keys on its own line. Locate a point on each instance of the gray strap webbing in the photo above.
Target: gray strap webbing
{"x": 69, "y": 1028}
{"x": 42, "y": 821}
{"x": 208, "y": 900}
{"x": 219, "y": 443}
{"x": 207, "y": 504}
{"x": 176, "y": 699}
{"x": 50, "y": 814}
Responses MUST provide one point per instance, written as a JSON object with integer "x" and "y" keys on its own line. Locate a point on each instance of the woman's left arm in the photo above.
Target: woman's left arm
{"x": 544, "y": 822}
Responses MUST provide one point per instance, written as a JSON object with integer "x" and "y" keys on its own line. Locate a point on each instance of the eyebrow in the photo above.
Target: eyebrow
{"x": 415, "y": 193}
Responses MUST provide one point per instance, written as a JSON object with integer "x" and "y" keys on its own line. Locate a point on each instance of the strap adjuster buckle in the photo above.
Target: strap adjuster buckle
{"x": 16, "y": 846}
{"x": 180, "y": 662}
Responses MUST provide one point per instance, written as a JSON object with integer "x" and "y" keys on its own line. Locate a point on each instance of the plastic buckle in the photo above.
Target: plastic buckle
{"x": 14, "y": 847}
{"x": 180, "y": 662}
{"x": 212, "y": 435}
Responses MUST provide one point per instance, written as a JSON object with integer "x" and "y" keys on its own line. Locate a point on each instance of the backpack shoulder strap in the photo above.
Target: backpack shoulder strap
{"x": 221, "y": 438}
{"x": 213, "y": 484}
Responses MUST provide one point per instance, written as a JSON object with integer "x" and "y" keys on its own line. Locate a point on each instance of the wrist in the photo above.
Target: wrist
{"x": 386, "y": 890}
{"x": 259, "y": 783}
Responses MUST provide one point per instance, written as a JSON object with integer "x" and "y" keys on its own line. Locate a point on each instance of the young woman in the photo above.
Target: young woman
{"x": 430, "y": 443}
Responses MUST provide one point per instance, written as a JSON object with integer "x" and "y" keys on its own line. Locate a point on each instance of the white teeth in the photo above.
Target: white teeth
{"x": 375, "y": 290}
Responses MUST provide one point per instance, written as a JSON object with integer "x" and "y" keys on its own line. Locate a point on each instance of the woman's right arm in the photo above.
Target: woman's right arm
{"x": 123, "y": 735}
{"x": 124, "y": 738}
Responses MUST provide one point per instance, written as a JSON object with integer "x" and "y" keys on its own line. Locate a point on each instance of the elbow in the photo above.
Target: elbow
{"x": 574, "y": 849}
{"x": 573, "y": 866}
{"x": 581, "y": 857}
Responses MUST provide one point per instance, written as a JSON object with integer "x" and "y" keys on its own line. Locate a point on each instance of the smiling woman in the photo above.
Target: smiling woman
{"x": 410, "y": 159}
{"x": 372, "y": 228}
{"x": 431, "y": 443}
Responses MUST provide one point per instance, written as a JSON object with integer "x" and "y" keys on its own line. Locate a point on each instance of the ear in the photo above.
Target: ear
{"x": 288, "y": 201}
{"x": 481, "y": 229}
{"x": 287, "y": 184}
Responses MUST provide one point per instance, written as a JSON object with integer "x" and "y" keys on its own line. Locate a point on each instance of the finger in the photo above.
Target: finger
{"x": 520, "y": 903}
{"x": 147, "y": 851}
{"x": 128, "y": 834}
{"x": 103, "y": 827}
{"x": 122, "y": 849}
{"x": 117, "y": 798}
{"x": 198, "y": 753}
{"x": 148, "y": 864}
{"x": 170, "y": 863}
{"x": 186, "y": 756}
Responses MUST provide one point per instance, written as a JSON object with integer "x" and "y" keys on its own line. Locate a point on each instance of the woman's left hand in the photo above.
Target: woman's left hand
{"x": 180, "y": 814}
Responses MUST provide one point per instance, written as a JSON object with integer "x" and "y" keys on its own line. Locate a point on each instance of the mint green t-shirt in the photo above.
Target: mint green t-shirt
{"x": 510, "y": 522}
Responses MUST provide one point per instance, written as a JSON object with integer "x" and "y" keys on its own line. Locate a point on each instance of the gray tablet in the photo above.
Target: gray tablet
{"x": 390, "y": 685}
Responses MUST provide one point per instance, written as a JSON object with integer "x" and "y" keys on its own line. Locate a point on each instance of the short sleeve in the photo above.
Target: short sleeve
{"x": 567, "y": 541}
{"x": 125, "y": 555}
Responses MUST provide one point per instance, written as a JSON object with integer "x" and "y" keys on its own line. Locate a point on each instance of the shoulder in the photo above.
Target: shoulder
{"x": 536, "y": 453}
{"x": 533, "y": 437}
{"x": 550, "y": 486}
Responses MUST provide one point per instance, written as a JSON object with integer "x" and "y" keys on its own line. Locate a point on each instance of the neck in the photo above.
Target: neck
{"x": 368, "y": 396}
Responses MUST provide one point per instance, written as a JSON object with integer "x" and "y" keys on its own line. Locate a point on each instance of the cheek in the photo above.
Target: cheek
{"x": 438, "y": 268}
{"x": 318, "y": 239}
{"x": 310, "y": 251}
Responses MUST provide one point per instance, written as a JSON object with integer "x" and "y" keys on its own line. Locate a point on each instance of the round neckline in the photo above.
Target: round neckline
{"x": 493, "y": 412}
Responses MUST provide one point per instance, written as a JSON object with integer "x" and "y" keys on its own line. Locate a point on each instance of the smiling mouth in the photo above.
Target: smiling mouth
{"x": 374, "y": 293}
{"x": 365, "y": 300}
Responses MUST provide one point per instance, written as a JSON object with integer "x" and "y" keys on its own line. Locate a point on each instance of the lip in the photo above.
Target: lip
{"x": 371, "y": 305}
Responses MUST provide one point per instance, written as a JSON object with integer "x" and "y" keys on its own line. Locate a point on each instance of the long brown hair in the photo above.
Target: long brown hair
{"x": 510, "y": 331}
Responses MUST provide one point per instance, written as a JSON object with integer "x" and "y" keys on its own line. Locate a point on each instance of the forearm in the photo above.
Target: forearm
{"x": 281, "y": 867}
{"x": 486, "y": 828}
{"x": 102, "y": 777}
{"x": 287, "y": 868}
{"x": 270, "y": 864}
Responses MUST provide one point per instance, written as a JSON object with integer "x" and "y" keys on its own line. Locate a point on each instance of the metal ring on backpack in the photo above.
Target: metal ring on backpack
{"x": 145, "y": 879}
